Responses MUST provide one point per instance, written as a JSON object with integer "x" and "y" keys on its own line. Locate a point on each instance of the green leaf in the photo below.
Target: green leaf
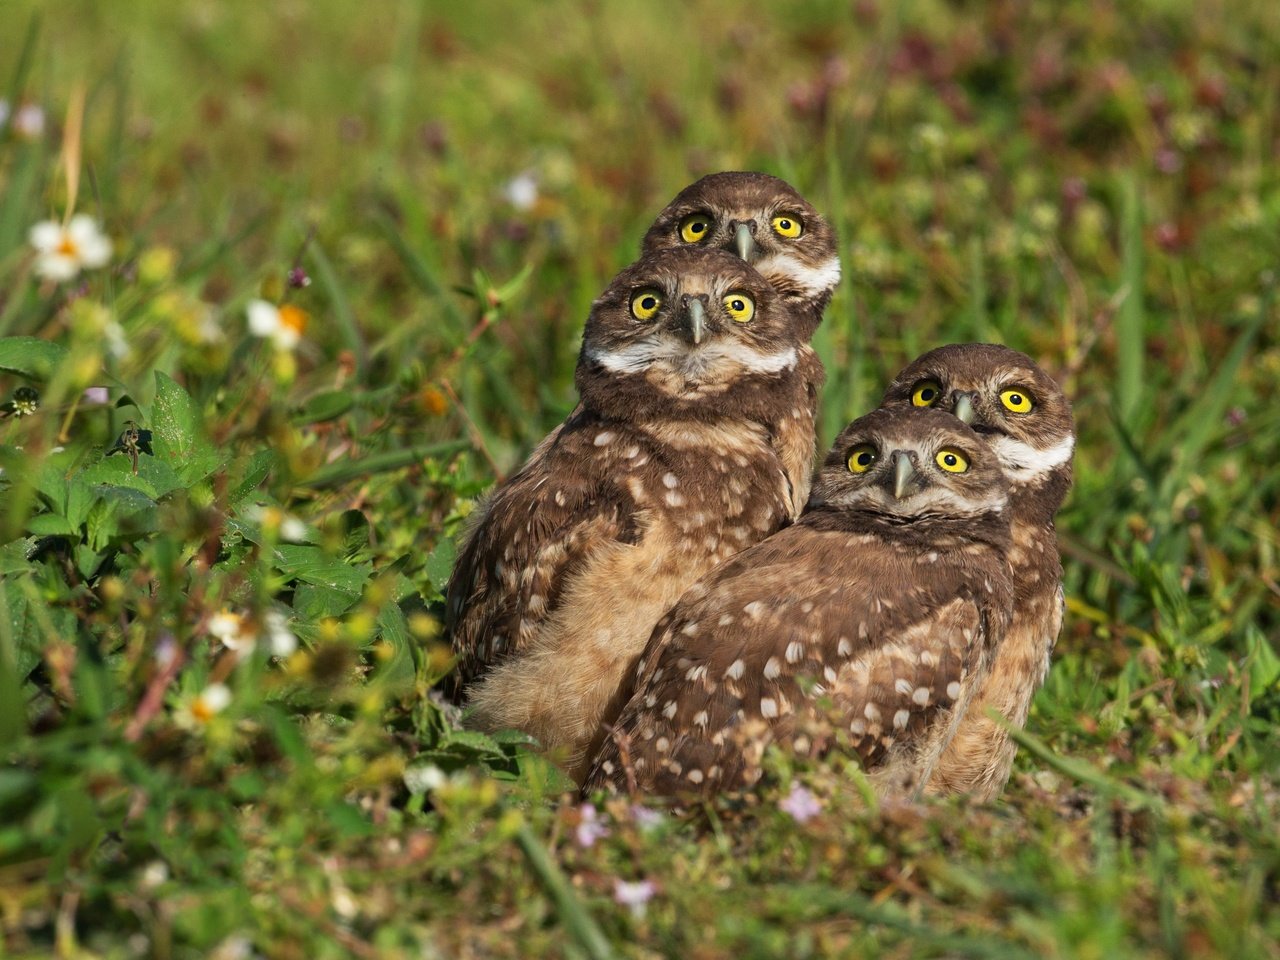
{"x": 399, "y": 670}
{"x": 440, "y": 563}
{"x": 258, "y": 469}
{"x": 30, "y": 356}
{"x": 328, "y": 405}
{"x": 179, "y": 440}
{"x": 13, "y": 557}
{"x": 311, "y": 602}
{"x": 155, "y": 478}
{"x": 51, "y": 525}
{"x": 312, "y": 565}
{"x": 1264, "y": 665}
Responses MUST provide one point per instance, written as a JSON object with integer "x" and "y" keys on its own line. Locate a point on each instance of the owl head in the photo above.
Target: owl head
{"x": 1017, "y": 408}
{"x": 766, "y": 223}
{"x": 686, "y": 332}
{"x": 903, "y": 465}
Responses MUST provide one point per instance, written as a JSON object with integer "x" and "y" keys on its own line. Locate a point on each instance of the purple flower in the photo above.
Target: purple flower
{"x": 589, "y": 827}
{"x": 634, "y": 895}
{"x": 644, "y": 818}
{"x": 800, "y": 804}
{"x": 298, "y": 278}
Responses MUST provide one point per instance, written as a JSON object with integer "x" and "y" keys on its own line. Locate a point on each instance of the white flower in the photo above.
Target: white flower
{"x": 634, "y": 895}
{"x": 62, "y": 252}
{"x": 154, "y": 874}
{"x": 280, "y": 639}
{"x": 28, "y": 122}
{"x": 212, "y": 700}
{"x": 283, "y": 326}
{"x": 233, "y": 631}
{"x": 292, "y": 530}
{"x": 800, "y": 803}
{"x": 589, "y": 829}
{"x": 424, "y": 777}
{"x": 522, "y": 191}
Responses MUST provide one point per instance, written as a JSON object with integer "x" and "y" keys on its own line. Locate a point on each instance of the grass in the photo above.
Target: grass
{"x": 1093, "y": 185}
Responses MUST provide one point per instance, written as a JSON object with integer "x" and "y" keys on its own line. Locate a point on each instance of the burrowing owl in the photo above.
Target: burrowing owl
{"x": 865, "y": 626}
{"x": 1026, "y": 421}
{"x": 664, "y": 470}
{"x": 768, "y": 224}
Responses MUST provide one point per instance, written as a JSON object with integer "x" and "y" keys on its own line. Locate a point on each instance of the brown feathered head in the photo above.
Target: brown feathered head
{"x": 765, "y": 222}
{"x": 1017, "y": 408}
{"x": 687, "y": 332}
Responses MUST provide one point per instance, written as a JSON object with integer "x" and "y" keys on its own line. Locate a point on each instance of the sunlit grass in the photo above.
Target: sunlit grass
{"x": 1094, "y": 186}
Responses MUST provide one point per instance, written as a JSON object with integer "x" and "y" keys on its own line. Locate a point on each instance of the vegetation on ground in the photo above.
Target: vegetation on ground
{"x": 350, "y": 252}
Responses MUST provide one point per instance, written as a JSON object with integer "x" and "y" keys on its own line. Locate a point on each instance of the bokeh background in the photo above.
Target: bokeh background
{"x": 432, "y": 194}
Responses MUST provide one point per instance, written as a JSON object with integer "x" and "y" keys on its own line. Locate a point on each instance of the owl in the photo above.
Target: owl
{"x": 864, "y": 627}
{"x": 1025, "y": 419}
{"x": 768, "y": 224}
{"x": 665, "y": 469}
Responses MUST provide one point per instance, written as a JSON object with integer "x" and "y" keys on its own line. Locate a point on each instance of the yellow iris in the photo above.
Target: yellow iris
{"x": 926, "y": 393}
{"x": 645, "y": 304}
{"x": 740, "y": 307}
{"x": 952, "y": 461}
{"x": 1018, "y": 401}
{"x": 695, "y": 227}
{"x": 787, "y": 226}
{"x": 862, "y": 458}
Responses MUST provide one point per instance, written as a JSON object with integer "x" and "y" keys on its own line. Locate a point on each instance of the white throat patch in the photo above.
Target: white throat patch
{"x": 1023, "y": 463}
{"x": 692, "y": 361}
{"x": 810, "y": 280}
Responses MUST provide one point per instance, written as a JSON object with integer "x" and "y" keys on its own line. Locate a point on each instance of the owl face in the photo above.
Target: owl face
{"x": 687, "y": 323}
{"x": 765, "y": 222}
{"x": 1017, "y": 408}
{"x": 906, "y": 464}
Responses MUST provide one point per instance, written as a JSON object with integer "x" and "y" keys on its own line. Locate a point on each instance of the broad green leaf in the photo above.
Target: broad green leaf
{"x": 255, "y": 471}
{"x": 312, "y": 602}
{"x": 440, "y": 563}
{"x": 155, "y": 478}
{"x": 51, "y": 525}
{"x": 179, "y": 440}
{"x": 312, "y": 565}
{"x": 30, "y": 356}
{"x": 399, "y": 670}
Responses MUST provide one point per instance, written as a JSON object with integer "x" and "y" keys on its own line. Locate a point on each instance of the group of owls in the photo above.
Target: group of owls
{"x": 665, "y": 588}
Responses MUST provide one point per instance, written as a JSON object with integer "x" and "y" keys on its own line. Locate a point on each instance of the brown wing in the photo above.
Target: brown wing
{"x": 818, "y": 621}
{"x": 536, "y": 531}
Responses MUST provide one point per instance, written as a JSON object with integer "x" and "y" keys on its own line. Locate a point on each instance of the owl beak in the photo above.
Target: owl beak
{"x": 695, "y": 320}
{"x": 964, "y": 408}
{"x": 903, "y": 472}
{"x": 743, "y": 242}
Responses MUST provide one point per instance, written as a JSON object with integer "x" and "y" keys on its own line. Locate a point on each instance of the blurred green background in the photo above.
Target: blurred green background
{"x": 1093, "y": 182}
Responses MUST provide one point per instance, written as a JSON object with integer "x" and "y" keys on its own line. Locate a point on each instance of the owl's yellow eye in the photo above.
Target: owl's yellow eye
{"x": 1017, "y": 401}
{"x": 862, "y": 457}
{"x": 645, "y": 304}
{"x": 740, "y": 307}
{"x": 787, "y": 226}
{"x": 926, "y": 393}
{"x": 695, "y": 227}
{"x": 952, "y": 461}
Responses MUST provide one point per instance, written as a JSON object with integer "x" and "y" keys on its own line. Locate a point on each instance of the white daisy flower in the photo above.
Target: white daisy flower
{"x": 280, "y": 639}
{"x": 196, "y": 712}
{"x": 283, "y": 326}
{"x": 63, "y": 251}
{"x": 233, "y": 631}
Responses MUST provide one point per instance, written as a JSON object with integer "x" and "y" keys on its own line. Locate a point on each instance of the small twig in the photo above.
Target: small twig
{"x": 477, "y": 438}
{"x": 153, "y": 699}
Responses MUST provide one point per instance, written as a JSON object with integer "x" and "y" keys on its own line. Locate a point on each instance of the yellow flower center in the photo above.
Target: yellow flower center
{"x": 67, "y": 247}
{"x": 295, "y": 318}
{"x": 202, "y": 711}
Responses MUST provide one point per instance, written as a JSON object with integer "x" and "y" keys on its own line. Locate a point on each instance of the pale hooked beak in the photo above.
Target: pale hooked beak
{"x": 743, "y": 242}
{"x": 964, "y": 408}
{"x": 696, "y": 320}
{"x": 903, "y": 471}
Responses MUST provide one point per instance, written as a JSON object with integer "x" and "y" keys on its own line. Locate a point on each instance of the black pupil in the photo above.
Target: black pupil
{"x": 1015, "y": 399}
{"x": 864, "y": 459}
{"x": 698, "y": 226}
{"x": 926, "y": 394}
{"x": 785, "y": 224}
{"x": 738, "y": 305}
{"x": 950, "y": 459}
{"x": 648, "y": 303}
